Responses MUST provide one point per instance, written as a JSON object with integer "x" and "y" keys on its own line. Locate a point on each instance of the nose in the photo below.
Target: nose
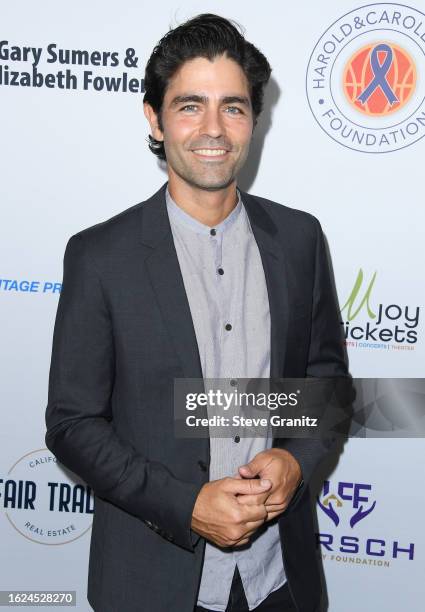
{"x": 212, "y": 123}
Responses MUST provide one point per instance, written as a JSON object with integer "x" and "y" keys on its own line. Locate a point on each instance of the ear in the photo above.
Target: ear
{"x": 152, "y": 117}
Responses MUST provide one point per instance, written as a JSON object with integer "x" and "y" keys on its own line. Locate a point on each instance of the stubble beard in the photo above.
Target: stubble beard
{"x": 211, "y": 179}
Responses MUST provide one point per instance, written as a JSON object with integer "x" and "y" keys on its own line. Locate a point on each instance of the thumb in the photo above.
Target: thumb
{"x": 251, "y": 469}
{"x": 248, "y": 486}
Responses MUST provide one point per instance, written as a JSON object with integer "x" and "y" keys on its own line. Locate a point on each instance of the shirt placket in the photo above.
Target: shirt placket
{"x": 227, "y": 298}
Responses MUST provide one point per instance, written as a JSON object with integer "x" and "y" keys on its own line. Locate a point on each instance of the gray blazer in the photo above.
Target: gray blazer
{"x": 123, "y": 332}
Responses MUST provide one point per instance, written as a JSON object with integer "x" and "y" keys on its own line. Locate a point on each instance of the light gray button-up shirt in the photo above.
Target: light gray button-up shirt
{"x": 225, "y": 284}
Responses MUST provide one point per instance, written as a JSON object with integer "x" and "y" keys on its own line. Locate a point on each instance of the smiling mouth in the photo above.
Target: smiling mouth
{"x": 210, "y": 152}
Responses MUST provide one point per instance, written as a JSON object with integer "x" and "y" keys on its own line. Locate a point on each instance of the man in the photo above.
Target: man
{"x": 200, "y": 281}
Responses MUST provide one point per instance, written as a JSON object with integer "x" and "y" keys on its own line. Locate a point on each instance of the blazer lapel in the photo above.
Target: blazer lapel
{"x": 274, "y": 264}
{"x": 167, "y": 282}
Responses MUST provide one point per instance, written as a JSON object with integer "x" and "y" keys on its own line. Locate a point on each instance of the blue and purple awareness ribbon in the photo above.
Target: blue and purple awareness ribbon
{"x": 379, "y": 75}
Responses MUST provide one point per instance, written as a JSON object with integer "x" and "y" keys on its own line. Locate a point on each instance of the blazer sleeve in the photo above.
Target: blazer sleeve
{"x": 326, "y": 358}
{"x": 80, "y": 428}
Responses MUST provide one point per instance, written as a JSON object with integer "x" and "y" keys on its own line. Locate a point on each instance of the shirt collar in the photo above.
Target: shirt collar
{"x": 176, "y": 213}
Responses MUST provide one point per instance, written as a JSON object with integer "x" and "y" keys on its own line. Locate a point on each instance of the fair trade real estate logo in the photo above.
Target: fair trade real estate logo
{"x": 43, "y": 501}
{"x": 364, "y": 80}
{"x": 370, "y": 324}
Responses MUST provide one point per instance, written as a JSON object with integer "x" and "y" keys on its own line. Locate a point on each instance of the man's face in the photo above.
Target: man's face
{"x": 207, "y": 122}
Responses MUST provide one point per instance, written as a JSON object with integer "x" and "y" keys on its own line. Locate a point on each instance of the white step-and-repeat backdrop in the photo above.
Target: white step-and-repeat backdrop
{"x": 341, "y": 137}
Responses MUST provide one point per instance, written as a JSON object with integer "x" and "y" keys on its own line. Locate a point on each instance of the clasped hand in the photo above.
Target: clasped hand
{"x": 228, "y": 511}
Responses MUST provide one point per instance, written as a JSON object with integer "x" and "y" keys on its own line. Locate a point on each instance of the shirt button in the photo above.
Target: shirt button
{"x": 237, "y": 439}
{"x": 203, "y": 466}
{"x": 228, "y": 326}
{"x": 213, "y": 232}
{"x": 220, "y": 271}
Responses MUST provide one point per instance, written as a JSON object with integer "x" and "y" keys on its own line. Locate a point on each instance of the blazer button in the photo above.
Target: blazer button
{"x": 202, "y": 465}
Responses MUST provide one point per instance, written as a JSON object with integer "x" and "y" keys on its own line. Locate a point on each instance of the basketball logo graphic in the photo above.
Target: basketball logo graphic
{"x": 364, "y": 79}
{"x": 379, "y": 78}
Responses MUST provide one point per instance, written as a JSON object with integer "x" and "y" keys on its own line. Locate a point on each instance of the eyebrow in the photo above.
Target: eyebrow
{"x": 204, "y": 100}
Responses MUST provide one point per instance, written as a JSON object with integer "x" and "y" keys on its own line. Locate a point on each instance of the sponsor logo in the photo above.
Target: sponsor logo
{"x": 44, "y": 502}
{"x": 15, "y": 285}
{"x": 345, "y": 505}
{"x": 354, "y": 494}
{"x": 363, "y": 81}
{"x": 379, "y": 79}
{"x": 368, "y": 324}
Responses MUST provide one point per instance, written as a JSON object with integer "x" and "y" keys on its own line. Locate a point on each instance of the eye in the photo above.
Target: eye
{"x": 189, "y": 107}
{"x": 234, "y": 110}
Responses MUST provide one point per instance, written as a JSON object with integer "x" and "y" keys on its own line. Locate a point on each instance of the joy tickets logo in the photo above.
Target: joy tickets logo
{"x": 44, "y": 502}
{"x": 363, "y": 78}
{"x": 370, "y": 324}
{"x": 353, "y": 495}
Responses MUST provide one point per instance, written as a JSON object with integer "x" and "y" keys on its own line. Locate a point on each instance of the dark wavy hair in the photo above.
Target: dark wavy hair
{"x": 208, "y": 36}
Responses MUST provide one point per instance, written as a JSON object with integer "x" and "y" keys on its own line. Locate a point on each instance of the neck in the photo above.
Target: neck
{"x": 207, "y": 207}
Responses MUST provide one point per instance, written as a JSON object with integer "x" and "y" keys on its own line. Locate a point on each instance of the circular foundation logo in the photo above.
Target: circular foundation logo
{"x": 362, "y": 78}
{"x": 379, "y": 79}
{"x": 43, "y": 501}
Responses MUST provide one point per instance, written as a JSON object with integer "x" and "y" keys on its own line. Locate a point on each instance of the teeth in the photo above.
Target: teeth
{"x": 211, "y": 152}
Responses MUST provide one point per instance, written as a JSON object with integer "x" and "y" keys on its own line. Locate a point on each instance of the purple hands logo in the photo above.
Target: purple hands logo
{"x": 353, "y": 493}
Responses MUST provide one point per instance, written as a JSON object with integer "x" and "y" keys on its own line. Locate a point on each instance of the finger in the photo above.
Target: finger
{"x": 276, "y": 508}
{"x": 253, "y": 468}
{"x": 275, "y": 505}
{"x": 242, "y": 542}
{"x": 253, "y": 500}
{"x": 246, "y": 471}
{"x": 253, "y": 514}
{"x": 254, "y": 524}
{"x": 244, "y": 515}
{"x": 248, "y": 486}
{"x": 250, "y": 529}
{"x": 272, "y": 515}
{"x": 254, "y": 519}
{"x": 278, "y": 496}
